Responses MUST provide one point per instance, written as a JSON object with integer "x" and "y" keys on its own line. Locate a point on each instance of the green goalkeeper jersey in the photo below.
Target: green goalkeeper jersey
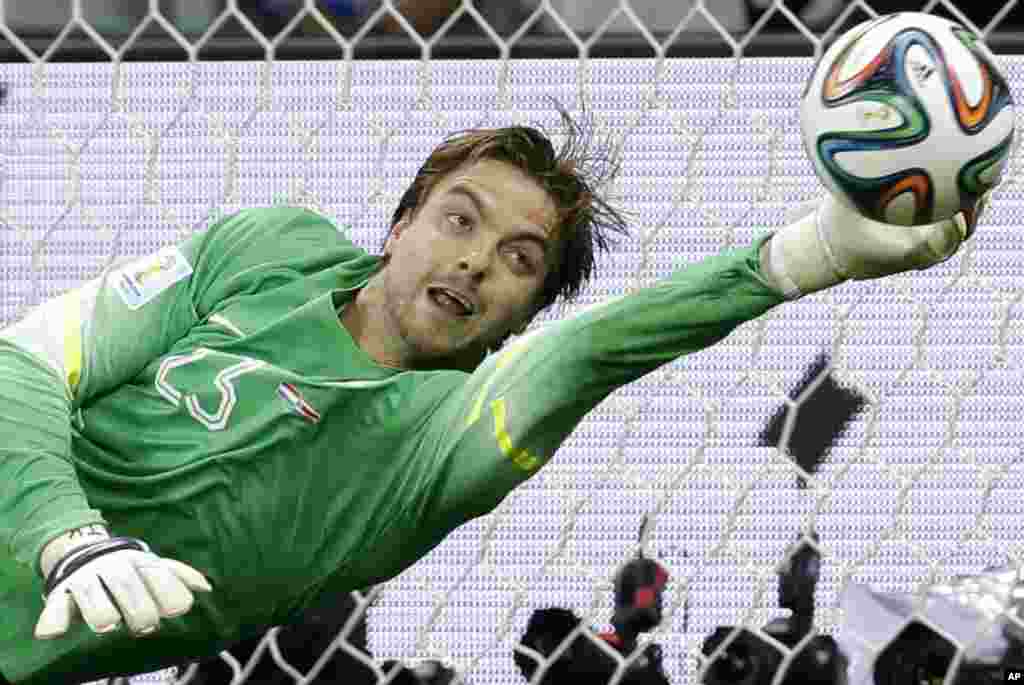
{"x": 207, "y": 400}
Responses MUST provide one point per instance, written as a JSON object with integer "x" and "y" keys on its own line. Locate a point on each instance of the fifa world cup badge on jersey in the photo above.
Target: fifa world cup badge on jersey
{"x": 142, "y": 280}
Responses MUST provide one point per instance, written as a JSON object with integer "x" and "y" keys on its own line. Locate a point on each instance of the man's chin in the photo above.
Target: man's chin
{"x": 439, "y": 338}
{"x": 440, "y": 352}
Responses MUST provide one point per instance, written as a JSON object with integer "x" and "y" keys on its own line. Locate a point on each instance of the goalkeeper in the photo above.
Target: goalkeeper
{"x": 199, "y": 444}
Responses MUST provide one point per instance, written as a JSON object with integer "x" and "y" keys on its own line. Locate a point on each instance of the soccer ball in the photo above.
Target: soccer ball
{"x": 908, "y": 119}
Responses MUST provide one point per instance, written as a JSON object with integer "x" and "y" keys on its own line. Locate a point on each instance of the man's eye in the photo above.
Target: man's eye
{"x": 459, "y": 220}
{"x": 523, "y": 259}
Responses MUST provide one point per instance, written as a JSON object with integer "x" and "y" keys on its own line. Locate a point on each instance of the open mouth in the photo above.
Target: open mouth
{"x": 450, "y": 301}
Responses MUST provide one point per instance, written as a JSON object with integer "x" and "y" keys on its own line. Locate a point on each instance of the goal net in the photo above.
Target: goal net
{"x": 884, "y": 416}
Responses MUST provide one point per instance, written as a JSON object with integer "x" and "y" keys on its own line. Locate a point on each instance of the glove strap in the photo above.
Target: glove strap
{"x": 776, "y": 258}
{"x": 800, "y": 259}
{"x": 80, "y": 556}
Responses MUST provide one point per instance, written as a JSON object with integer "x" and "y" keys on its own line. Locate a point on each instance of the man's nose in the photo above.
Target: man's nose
{"x": 475, "y": 260}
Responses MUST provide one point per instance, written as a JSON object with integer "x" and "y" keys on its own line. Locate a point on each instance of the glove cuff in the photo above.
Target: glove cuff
{"x": 82, "y": 555}
{"x": 59, "y": 546}
{"x": 800, "y": 261}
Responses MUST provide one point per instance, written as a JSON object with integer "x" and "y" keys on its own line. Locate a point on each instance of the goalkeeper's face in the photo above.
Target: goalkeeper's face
{"x": 468, "y": 266}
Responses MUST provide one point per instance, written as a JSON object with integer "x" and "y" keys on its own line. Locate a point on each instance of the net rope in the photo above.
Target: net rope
{"x": 938, "y": 356}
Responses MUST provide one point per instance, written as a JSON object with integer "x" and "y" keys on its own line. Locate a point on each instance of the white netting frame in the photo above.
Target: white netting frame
{"x": 1006, "y": 300}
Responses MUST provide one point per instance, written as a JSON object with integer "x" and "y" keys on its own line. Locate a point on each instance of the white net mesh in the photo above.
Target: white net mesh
{"x": 112, "y": 158}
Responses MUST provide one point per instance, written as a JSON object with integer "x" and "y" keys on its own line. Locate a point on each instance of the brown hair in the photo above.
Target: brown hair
{"x": 572, "y": 176}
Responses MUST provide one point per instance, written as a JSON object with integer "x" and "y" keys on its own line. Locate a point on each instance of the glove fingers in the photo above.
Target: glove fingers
{"x": 941, "y": 241}
{"x": 129, "y": 593}
{"x": 94, "y": 603}
{"x": 57, "y": 615}
{"x": 192, "y": 578}
{"x": 169, "y": 592}
{"x": 974, "y": 217}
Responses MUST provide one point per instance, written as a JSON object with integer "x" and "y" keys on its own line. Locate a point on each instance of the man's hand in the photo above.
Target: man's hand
{"x": 108, "y": 580}
{"x": 833, "y": 243}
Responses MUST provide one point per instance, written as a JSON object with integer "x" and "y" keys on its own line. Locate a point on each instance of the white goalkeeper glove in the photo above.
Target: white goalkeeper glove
{"x": 833, "y": 243}
{"x": 109, "y": 579}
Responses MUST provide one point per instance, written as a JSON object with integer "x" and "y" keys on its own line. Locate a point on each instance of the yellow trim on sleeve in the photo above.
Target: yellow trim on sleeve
{"x": 521, "y": 458}
{"x": 513, "y": 351}
{"x": 71, "y": 305}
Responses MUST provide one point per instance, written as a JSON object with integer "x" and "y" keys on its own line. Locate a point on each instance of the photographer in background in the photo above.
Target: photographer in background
{"x": 639, "y": 587}
{"x": 302, "y": 643}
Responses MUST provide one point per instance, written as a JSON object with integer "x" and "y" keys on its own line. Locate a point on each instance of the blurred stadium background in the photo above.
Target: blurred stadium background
{"x": 130, "y": 124}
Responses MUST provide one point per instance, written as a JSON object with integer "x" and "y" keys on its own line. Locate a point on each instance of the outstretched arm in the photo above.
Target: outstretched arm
{"x": 509, "y": 417}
